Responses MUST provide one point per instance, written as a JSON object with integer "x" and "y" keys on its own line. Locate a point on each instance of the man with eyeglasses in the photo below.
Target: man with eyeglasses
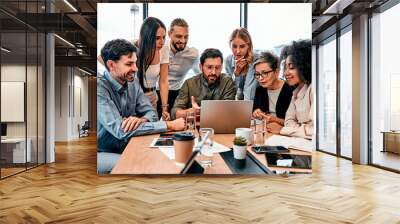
{"x": 211, "y": 84}
{"x": 273, "y": 96}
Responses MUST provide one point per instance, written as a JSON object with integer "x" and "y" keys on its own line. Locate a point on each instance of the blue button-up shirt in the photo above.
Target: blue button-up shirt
{"x": 246, "y": 84}
{"x": 115, "y": 102}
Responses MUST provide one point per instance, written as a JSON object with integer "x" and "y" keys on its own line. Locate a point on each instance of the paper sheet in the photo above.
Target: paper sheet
{"x": 218, "y": 147}
{"x": 290, "y": 142}
{"x": 170, "y": 153}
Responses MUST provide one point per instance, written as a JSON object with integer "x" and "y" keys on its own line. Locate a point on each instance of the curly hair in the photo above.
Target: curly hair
{"x": 301, "y": 57}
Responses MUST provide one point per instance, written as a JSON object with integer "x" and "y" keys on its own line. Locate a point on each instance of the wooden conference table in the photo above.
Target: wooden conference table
{"x": 139, "y": 158}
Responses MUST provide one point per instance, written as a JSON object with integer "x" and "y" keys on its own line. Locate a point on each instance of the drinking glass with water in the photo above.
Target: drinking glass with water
{"x": 190, "y": 122}
{"x": 258, "y": 127}
{"x": 206, "y": 153}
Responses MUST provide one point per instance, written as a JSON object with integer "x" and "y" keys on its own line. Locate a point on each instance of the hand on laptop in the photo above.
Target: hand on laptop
{"x": 132, "y": 123}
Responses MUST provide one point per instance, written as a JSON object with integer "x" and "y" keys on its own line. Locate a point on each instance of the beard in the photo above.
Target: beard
{"x": 175, "y": 45}
{"x": 129, "y": 77}
{"x": 212, "y": 79}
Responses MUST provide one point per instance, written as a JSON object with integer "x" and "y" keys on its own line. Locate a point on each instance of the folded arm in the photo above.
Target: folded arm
{"x": 110, "y": 118}
{"x": 293, "y": 127}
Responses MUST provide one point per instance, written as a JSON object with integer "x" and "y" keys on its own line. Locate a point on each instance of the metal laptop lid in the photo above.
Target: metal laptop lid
{"x": 224, "y": 116}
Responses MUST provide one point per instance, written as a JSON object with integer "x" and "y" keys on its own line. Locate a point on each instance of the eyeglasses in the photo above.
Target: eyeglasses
{"x": 263, "y": 74}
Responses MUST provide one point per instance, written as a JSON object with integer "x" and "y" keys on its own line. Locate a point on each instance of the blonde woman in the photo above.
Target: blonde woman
{"x": 239, "y": 64}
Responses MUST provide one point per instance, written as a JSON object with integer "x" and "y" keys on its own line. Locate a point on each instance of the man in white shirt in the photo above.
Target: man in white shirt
{"x": 181, "y": 59}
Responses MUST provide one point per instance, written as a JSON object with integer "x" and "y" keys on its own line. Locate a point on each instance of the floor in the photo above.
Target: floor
{"x": 70, "y": 191}
{"x": 387, "y": 159}
{"x": 9, "y": 170}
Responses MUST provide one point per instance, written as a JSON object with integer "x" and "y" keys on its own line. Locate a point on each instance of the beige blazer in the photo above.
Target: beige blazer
{"x": 299, "y": 116}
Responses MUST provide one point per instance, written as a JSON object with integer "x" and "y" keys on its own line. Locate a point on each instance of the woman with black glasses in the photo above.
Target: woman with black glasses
{"x": 272, "y": 97}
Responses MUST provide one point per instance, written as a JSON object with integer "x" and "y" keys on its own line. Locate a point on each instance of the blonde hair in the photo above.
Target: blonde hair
{"x": 243, "y": 34}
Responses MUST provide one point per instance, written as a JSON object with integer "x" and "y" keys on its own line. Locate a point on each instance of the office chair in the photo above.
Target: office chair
{"x": 84, "y": 130}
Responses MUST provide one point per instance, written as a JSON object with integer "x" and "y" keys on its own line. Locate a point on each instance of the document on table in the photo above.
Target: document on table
{"x": 290, "y": 142}
{"x": 170, "y": 153}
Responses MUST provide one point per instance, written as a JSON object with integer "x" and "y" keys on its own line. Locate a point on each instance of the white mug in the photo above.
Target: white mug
{"x": 246, "y": 133}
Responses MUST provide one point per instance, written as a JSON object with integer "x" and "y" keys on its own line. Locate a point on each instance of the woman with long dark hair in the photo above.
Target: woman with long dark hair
{"x": 152, "y": 63}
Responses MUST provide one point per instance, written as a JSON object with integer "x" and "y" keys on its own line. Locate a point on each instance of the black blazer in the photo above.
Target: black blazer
{"x": 285, "y": 96}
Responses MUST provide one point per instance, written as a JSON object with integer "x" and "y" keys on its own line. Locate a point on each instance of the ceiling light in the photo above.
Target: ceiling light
{"x": 5, "y": 50}
{"x": 70, "y": 5}
{"x": 64, "y": 40}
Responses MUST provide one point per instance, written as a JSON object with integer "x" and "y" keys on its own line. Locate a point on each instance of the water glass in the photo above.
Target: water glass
{"x": 259, "y": 127}
{"x": 190, "y": 122}
{"x": 207, "y": 152}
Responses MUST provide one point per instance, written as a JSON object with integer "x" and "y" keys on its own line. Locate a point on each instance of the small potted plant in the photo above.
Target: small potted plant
{"x": 239, "y": 150}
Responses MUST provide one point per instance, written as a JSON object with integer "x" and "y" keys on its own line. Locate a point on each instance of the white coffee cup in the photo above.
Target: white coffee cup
{"x": 246, "y": 133}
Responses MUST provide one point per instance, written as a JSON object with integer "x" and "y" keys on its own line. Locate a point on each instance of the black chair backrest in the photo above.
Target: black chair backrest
{"x": 86, "y": 125}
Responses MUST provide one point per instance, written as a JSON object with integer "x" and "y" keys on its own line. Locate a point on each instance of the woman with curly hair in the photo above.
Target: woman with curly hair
{"x": 297, "y": 71}
{"x": 239, "y": 64}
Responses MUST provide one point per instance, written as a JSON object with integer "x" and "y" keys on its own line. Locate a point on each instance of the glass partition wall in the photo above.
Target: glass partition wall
{"x": 345, "y": 65}
{"x": 334, "y": 104}
{"x": 13, "y": 94}
{"x": 263, "y": 27}
{"x": 327, "y": 96}
{"x": 22, "y": 77}
{"x": 385, "y": 90}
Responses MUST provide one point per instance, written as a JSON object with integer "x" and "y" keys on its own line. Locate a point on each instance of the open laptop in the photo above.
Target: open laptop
{"x": 224, "y": 116}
